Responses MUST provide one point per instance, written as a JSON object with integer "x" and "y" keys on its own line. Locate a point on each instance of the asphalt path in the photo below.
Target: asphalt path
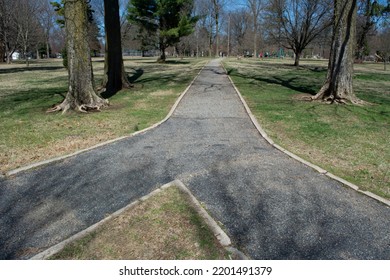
{"x": 271, "y": 206}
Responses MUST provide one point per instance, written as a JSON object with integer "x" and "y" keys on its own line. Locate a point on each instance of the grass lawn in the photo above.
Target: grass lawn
{"x": 350, "y": 141}
{"x": 164, "y": 227}
{"x": 29, "y": 134}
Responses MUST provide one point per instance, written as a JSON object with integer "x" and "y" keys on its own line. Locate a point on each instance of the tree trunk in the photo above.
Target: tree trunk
{"x": 297, "y": 58}
{"x": 216, "y": 17}
{"x": 47, "y": 49}
{"x": 338, "y": 86}
{"x": 9, "y": 58}
{"x": 255, "y": 44}
{"x": 81, "y": 95}
{"x": 217, "y": 35}
{"x": 2, "y": 54}
{"x": 115, "y": 77}
{"x": 8, "y": 53}
{"x": 162, "y": 57}
{"x": 26, "y": 56}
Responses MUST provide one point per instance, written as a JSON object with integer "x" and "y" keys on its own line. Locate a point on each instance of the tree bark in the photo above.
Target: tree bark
{"x": 297, "y": 58}
{"x": 338, "y": 86}
{"x": 216, "y": 17}
{"x": 115, "y": 77}
{"x": 163, "y": 57}
{"x": 81, "y": 95}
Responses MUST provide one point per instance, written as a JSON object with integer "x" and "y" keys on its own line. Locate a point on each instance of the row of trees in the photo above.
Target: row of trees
{"x": 252, "y": 28}
{"x": 264, "y": 26}
{"x": 290, "y": 23}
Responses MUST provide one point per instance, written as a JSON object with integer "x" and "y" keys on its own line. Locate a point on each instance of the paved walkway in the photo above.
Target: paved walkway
{"x": 272, "y": 206}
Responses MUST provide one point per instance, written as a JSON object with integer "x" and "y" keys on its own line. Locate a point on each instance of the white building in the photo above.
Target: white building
{"x": 15, "y": 56}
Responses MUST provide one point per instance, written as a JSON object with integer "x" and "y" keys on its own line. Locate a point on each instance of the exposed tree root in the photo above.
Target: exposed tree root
{"x": 66, "y": 106}
{"x": 324, "y": 95}
{"x": 344, "y": 101}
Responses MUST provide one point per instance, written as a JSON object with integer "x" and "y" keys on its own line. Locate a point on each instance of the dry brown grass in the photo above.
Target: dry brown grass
{"x": 31, "y": 135}
{"x": 164, "y": 227}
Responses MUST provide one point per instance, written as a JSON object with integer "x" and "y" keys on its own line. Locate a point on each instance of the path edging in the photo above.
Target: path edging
{"x": 48, "y": 161}
{"x": 305, "y": 162}
{"x": 221, "y": 236}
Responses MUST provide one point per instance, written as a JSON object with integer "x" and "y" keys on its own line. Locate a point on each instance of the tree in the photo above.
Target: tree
{"x": 115, "y": 77}
{"x": 81, "y": 95}
{"x": 9, "y": 32}
{"x": 255, "y": 7}
{"x": 27, "y": 25}
{"x": 46, "y": 17}
{"x": 205, "y": 26}
{"x": 298, "y": 22}
{"x": 370, "y": 13}
{"x": 217, "y": 7}
{"x": 338, "y": 86}
{"x": 166, "y": 20}
{"x": 239, "y": 26}
{"x": 381, "y": 43}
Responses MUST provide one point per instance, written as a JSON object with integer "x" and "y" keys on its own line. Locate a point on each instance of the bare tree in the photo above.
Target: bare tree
{"x": 338, "y": 86}
{"x": 370, "y": 13}
{"x": 81, "y": 95}
{"x": 381, "y": 43}
{"x": 255, "y": 7}
{"x": 205, "y": 26}
{"x": 27, "y": 25}
{"x": 9, "y": 32}
{"x": 46, "y": 16}
{"x": 296, "y": 23}
{"x": 239, "y": 27}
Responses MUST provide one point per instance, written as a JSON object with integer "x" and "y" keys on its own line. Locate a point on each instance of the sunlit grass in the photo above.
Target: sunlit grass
{"x": 349, "y": 141}
{"x": 29, "y": 134}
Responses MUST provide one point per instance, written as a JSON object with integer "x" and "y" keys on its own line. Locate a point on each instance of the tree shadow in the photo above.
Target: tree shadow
{"x": 291, "y": 83}
{"x": 131, "y": 79}
{"x": 22, "y": 103}
{"x": 136, "y": 75}
{"x": 176, "y": 62}
{"x": 29, "y": 69}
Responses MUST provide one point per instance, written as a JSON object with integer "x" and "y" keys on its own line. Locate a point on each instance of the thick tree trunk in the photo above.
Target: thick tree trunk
{"x": 8, "y": 54}
{"x": 115, "y": 77}
{"x": 2, "y": 54}
{"x": 338, "y": 86}
{"x": 81, "y": 95}
{"x": 297, "y": 58}
{"x": 162, "y": 57}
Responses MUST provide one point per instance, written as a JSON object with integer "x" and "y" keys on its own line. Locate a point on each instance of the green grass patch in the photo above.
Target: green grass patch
{"x": 164, "y": 227}
{"x": 349, "y": 141}
{"x": 29, "y": 134}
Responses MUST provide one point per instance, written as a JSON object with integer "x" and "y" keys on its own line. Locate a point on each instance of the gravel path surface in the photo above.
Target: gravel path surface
{"x": 271, "y": 206}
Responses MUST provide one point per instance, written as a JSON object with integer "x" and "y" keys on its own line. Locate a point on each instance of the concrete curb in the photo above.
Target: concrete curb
{"x": 315, "y": 167}
{"x": 221, "y": 236}
{"x": 41, "y": 163}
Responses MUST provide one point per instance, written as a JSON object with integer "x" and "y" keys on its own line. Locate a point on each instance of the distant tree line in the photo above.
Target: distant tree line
{"x": 255, "y": 28}
{"x": 30, "y": 28}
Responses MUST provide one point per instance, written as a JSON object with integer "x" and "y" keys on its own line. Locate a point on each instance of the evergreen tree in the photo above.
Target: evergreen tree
{"x": 162, "y": 22}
